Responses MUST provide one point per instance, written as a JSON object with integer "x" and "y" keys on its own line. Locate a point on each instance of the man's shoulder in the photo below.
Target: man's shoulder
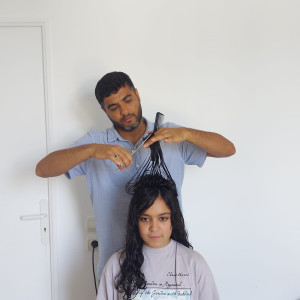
{"x": 95, "y": 132}
{"x": 94, "y": 136}
{"x": 171, "y": 125}
{"x": 150, "y": 124}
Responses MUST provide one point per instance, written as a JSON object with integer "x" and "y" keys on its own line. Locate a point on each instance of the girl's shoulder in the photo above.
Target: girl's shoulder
{"x": 113, "y": 263}
{"x": 190, "y": 255}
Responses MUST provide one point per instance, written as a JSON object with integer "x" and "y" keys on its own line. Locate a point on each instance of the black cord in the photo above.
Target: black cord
{"x": 176, "y": 270}
{"x": 94, "y": 244}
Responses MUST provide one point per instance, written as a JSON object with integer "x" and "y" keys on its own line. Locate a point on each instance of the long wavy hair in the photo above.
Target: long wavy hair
{"x": 146, "y": 190}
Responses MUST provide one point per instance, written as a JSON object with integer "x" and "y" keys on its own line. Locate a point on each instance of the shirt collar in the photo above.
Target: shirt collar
{"x": 113, "y": 135}
{"x": 159, "y": 251}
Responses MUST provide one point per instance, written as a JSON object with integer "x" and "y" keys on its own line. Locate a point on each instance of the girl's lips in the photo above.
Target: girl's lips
{"x": 154, "y": 237}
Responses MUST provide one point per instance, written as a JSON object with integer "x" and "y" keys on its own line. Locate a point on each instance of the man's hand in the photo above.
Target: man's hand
{"x": 120, "y": 156}
{"x": 168, "y": 135}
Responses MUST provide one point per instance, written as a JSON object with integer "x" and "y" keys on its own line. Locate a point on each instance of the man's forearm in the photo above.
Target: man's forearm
{"x": 59, "y": 162}
{"x": 213, "y": 143}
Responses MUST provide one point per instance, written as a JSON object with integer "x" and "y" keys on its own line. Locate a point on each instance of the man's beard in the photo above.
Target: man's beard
{"x": 131, "y": 127}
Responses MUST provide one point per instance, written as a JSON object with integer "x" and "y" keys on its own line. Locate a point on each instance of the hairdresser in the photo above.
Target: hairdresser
{"x": 104, "y": 157}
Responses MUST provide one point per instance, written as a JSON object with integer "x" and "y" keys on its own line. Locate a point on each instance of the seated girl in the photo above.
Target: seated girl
{"x": 157, "y": 261}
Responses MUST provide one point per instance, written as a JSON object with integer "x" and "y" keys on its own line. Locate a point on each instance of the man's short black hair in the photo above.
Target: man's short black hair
{"x": 110, "y": 84}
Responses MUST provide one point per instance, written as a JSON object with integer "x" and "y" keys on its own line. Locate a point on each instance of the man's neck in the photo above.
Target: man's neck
{"x": 134, "y": 135}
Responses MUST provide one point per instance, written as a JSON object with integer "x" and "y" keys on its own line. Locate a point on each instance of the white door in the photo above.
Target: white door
{"x": 25, "y": 250}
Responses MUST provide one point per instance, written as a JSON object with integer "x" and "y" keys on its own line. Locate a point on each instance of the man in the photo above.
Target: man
{"x": 104, "y": 157}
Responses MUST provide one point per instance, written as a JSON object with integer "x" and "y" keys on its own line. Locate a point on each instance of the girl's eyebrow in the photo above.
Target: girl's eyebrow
{"x": 165, "y": 213}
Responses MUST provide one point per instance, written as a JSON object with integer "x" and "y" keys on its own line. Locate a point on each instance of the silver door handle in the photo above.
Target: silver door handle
{"x": 44, "y": 220}
{"x": 33, "y": 217}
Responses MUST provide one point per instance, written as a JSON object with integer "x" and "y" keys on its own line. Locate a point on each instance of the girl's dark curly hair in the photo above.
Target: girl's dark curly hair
{"x": 145, "y": 191}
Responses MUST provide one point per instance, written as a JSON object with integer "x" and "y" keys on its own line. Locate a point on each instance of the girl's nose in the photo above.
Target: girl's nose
{"x": 153, "y": 226}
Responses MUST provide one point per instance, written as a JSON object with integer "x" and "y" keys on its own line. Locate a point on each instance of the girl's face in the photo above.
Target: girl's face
{"x": 155, "y": 224}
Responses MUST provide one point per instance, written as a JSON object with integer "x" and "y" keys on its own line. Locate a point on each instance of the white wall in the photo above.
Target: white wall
{"x": 225, "y": 66}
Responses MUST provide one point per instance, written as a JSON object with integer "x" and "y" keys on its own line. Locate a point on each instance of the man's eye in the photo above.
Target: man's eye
{"x": 114, "y": 108}
{"x": 128, "y": 100}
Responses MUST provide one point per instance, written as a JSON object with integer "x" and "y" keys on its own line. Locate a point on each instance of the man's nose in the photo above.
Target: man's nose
{"x": 123, "y": 110}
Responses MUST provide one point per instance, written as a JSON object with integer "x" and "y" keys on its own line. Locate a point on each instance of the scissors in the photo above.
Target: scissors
{"x": 142, "y": 143}
{"x": 159, "y": 119}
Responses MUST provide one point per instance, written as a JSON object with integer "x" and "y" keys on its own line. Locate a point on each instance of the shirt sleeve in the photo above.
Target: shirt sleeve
{"x": 206, "y": 282}
{"x": 107, "y": 290}
{"x": 80, "y": 169}
{"x": 190, "y": 153}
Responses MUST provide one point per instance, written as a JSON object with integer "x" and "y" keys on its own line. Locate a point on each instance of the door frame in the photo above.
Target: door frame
{"x": 44, "y": 25}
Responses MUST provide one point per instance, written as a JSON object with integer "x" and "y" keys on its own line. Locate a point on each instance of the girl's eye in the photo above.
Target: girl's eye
{"x": 144, "y": 219}
{"x": 164, "y": 218}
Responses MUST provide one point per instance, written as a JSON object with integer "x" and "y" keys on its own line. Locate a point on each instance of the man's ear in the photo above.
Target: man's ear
{"x": 137, "y": 93}
{"x": 102, "y": 106}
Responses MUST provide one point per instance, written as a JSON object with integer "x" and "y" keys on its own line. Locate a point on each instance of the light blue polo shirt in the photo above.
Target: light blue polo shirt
{"x": 106, "y": 183}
